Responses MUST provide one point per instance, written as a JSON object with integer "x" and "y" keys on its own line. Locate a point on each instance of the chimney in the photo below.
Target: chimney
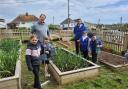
{"x": 26, "y": 14}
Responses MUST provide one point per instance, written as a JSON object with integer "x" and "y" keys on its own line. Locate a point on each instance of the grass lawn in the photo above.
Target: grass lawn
{"x": 106, "y": 80}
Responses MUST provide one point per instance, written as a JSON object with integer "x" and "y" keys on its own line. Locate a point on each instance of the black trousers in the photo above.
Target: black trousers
{"x": 85, "y": 54}
{"x": 36, "y": 69}
{"x": 94, "y": 56}
{"x": 77, "y": 46}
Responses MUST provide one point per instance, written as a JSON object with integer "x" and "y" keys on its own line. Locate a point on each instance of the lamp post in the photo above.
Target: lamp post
{"x": 68, "y": 15}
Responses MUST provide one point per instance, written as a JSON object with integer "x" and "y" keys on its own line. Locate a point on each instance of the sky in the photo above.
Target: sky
{"x": 108, "y": 11}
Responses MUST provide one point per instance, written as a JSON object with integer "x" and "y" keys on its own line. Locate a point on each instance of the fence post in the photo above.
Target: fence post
{"x": 125, "y": 42}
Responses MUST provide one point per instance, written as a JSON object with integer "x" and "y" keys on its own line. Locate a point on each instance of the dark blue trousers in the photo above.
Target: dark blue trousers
{"x": 36, "y": 69}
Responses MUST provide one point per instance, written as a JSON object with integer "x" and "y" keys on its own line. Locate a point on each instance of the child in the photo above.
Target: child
{"x": 47, "y": 53}
{"x": 84, "y": 44}
{"x": 33, "y": 59}
{"x": 95, "y": 45}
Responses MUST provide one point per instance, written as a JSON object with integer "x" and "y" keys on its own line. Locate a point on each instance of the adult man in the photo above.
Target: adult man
{"x": 78, "y": 30}
{"x": 40, "y": 28}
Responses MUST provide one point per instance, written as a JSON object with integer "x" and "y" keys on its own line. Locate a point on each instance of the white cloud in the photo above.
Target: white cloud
{"x": 87, "y": 9}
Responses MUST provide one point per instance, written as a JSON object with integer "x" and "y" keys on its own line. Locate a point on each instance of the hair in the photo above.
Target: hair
{"x": 78, "y": 19}
{"x": 46, "y": 38}
{"x": 43, "y": 15}
{"x": 32, "y": 36}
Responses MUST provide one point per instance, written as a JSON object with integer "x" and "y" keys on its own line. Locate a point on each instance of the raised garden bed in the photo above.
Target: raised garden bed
{"x": 113, "y": 61}
{"x": 10, "y": 66}
{"x": 68, "y": 67}
{"x": 13, "y": 82}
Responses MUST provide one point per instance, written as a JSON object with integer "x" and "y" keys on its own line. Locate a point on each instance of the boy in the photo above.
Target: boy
{"x": 47, "y": 54}
{"x": 95, "y": 46}
{"x": 84, "y": 44}
{"x": 33, "y": 59}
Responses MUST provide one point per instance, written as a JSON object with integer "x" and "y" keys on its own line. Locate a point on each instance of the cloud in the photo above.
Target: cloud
{"x": 88, "y": 10}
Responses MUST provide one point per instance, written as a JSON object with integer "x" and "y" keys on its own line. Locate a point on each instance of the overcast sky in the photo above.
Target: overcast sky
{"x": 109, "y": 11}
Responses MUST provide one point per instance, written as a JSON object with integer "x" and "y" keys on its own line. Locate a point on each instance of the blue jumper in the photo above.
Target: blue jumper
{"x": 84, "y": 44}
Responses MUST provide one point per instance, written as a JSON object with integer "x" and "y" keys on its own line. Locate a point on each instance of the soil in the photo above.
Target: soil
{"x": 67, "y": 44}
{"x": 113, "y": 59}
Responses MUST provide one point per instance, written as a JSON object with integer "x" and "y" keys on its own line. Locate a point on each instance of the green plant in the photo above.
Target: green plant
{"x": 66, "y": 61}
{"x": 8, "y": 57}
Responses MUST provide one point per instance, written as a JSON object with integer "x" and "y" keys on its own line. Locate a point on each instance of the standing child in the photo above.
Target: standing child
{"x": 95, "y": 46}
{"x": 84, "y": 44}
{"x": 33, "y": 59}
{"x": 47, "y": 53}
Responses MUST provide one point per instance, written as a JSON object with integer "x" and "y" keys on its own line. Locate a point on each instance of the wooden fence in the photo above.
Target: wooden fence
{"x": 63, "y": 33}
{"x": 15, "y": 33}
{"x": 115, "y": 40}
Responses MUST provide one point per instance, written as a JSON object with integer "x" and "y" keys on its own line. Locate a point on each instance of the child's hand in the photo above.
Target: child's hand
{"x": 47, "y": 52}
{"x": 78, "y": 40}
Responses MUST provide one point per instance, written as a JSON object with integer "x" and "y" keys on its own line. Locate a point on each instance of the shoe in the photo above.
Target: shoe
{"x": 44, "y": 83}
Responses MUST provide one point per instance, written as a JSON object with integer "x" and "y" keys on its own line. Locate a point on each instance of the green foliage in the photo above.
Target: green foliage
{"x": 53, "y": 27}
{"x": 66, "y": 61}
{"x": 8, "y": 57}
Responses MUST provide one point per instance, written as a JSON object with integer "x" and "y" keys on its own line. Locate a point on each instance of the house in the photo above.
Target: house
{"x": 2, "y": 24}
{"x": 64, "y": 24}
{"x": 23, "y": 21}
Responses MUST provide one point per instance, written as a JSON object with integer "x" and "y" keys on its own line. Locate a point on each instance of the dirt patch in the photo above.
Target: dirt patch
{"x": 67, "y": 44}
{"x": 113, "y": 59}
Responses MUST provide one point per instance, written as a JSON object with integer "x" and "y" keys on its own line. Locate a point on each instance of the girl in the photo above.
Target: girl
{"x": 33, "y": 59}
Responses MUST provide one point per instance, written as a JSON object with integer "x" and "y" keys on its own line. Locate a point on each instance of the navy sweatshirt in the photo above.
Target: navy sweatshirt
{"x": 93, "y": 45}
{"x": 33, "y": 53}
{"x": 84, "y": 44}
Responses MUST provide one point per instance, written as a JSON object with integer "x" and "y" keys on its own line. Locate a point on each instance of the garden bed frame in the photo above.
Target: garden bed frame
{"x": 13, "y": 82}
{"x": 73, "y": 75}
{"x": 112, "y": 66}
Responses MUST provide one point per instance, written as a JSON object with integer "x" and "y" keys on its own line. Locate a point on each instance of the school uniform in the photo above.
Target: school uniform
{"x": 84, "y": 43}
{"x": 93, "y": 46}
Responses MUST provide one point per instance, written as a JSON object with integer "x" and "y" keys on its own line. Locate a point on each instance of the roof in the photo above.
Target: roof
{"x": 24, "y": 18}
{"x": 66, "y": 21}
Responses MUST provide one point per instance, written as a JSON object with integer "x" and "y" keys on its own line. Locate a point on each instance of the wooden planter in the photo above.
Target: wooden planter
{"x": 121, "y": 66}
{"x": 13, "y": 82}
{"x": 73, "y": 75}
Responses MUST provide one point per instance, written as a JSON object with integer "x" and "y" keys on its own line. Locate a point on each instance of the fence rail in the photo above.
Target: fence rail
{"x": 15, "y": 33}
{"x": 115, "y": 40}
